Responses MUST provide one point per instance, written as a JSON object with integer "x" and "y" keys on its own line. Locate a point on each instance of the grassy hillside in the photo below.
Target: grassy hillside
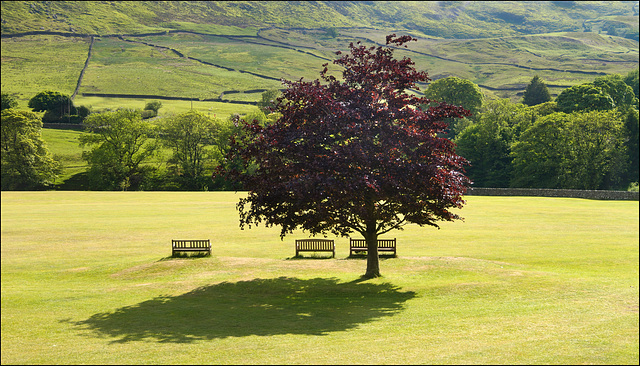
{"x": 87, "y": 279}
{"x": 447, "y": 19}
{"x": 218, "y": 66}
{"x": 243, "y": 48}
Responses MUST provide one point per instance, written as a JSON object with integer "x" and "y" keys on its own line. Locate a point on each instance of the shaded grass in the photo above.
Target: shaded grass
{"x": 86, "y": 278}
{"x": 260, "y": 307}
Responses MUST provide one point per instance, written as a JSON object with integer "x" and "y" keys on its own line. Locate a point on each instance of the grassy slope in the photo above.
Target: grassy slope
{"x": 444, "y": 19}
{"x": 35, "y": 63}
{"x": 123, "y": 67}
{"x": 64, "y": 146}
{"x": 128, "y": 68}
{"x": 522, "y": 280}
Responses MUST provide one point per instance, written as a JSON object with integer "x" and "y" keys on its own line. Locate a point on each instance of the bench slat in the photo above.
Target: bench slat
{"x": 360, "y": 245}
{"x": 315, "y": 245}
{"x": 182, "y": 245}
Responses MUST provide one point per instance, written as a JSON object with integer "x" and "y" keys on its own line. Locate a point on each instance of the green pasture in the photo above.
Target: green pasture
{"x": 35, "y": 63}
{"x": 32, "y": 64}
{"x": 212, "y": 109}
{"x": 64, "y": 146}
{"x": 493, "y": 62}
{"x": 130, "y": 68}
{"x": 262, "y": 57}
{"x": 87, "y": 278}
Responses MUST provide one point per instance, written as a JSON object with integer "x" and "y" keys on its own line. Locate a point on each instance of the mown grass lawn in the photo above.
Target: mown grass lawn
{"x": 87, "y": 279}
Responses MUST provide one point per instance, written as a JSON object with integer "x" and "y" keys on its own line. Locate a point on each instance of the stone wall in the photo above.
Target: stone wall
{"x": 573, "y": 193}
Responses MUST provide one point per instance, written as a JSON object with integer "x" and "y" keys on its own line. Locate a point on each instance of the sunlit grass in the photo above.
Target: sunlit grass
{"x": 87, "y": 278}
{"x": 120, "y": 67}
{"x": 212, "y": 109}
{"x": 32, "y": 64}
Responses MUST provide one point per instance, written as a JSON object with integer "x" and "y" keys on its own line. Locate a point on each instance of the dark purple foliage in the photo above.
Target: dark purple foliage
{"x": 356, "y": 154}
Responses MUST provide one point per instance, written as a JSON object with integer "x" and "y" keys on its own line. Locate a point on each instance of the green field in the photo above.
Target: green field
{"x": 87, "y": 279}
{"x": 247, "y": 46}
{"x": 501, "y": 66}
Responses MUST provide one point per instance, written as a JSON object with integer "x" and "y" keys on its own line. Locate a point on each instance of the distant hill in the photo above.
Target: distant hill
{"x": 446, "y": 19}
{"x": 231, "y": 51}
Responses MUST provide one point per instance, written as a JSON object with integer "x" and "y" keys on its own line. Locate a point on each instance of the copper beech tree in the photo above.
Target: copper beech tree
{"x": 351, "y": 155}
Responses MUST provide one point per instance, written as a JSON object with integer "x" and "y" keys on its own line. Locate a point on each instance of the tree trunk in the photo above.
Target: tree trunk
{"x": 373, "y": 262}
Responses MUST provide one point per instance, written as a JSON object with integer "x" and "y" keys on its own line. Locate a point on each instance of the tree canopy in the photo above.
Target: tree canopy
{"x": 120, "y": 144}
{"x": 459, "y": 92}
{"x": 581, "y": 150}
{"x": 584, "y": 97}
{"x": 536, "y": 92}
{"x": 54, "y": 103}
{"x": 487, "y": 142}
{"x": 631, "y": 79}
{"x": 190, "y": 136}
{"x": 352, "y": 155}
{"x": 621, "y": 93}
{"x": 26, "y": 161}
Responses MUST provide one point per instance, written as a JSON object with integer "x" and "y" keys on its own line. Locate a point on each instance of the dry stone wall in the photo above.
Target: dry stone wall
{"x": 572, "y": 193}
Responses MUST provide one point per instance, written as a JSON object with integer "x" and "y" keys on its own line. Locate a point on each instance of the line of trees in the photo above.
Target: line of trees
{"x": 587, "y": 138}
{"x": 130, "y": 153}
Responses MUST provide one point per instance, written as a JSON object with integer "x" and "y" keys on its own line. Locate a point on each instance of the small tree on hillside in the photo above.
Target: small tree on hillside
{"x": 55, "y": 104}
{"x": 153, "y": 106}
{"x": 536, "y": 92}
{"x": 8, "y": 101}
{"x": 357, "y": 155}
{"x": 268, "y": 100}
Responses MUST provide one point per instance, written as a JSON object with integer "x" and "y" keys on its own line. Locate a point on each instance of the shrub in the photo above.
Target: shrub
{"x": 147, "y": 113}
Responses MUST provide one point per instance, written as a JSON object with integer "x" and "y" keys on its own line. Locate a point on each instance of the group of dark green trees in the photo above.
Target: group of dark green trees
{"x": 587, "y": 138}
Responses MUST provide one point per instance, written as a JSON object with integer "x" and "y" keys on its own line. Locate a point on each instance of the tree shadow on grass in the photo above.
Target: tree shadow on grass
{"x": 260, "y": 307}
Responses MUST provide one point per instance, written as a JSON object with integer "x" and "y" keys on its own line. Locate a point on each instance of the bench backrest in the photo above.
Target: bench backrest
{"x": 315, "y": 244}
{"x": 382, "y": 243}
{"x": 191, "y": 243}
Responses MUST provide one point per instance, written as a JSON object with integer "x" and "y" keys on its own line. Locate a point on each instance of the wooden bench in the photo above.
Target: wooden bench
{"x": 316, "y": 245}
{"x": 360, "y": 245}
{"x": 190, "y": 246}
